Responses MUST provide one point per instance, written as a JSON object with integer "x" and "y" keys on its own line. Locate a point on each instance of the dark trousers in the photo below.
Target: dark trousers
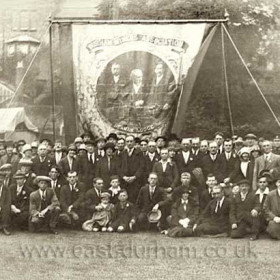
{"x": 210, "y": 228}
{"x": 50, "y": 220}
{"x": 20, "y": 219}
{"x": 273, "y": 229}
{"x": 247, "y": 221}
{"x": 5, "y": 218}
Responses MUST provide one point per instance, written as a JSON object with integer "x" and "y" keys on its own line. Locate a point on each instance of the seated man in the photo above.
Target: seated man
{"x": 184, "y": 213}
{"x": 44, "y": 207}
{"x": 272, "y": 211}
{"x": 261, "y": 195}
{"x": 124, "y": 215}
{"x": 20, "y": 194}
{"x": 5, "y": 204}
{"x": 215, "y": 217}
{"x": 151, "y": 198}
{"x": 244, "y": 212}
{"x": 72, "y": 200}
{"x": 93, "y": 197}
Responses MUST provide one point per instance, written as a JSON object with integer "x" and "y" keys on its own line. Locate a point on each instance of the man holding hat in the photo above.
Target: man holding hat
{"x": 244, "y": 212}
{"x": 20, "y": 193}
{"x": 5, "y": 204}
{"x": 44, "y": 207}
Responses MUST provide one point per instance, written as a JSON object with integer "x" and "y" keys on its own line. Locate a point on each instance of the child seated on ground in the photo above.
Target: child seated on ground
{"x": 114, "y": 189}
{"x": 102, "y": 216}
{"x": 123, "y": 219}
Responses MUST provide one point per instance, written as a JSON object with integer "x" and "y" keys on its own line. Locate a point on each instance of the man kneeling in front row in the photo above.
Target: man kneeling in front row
{"x": 44, "y": 207}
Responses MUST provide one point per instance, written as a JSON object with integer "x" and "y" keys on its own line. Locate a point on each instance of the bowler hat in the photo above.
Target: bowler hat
{"x": 113, "y": 136}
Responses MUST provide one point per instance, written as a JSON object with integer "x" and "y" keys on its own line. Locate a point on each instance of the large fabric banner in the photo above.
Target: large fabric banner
{"x": 128, "y": 77}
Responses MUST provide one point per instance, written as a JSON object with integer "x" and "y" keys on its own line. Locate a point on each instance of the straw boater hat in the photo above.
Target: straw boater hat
{"x": 5, "y": 167}
{"x": 42, "y": 178}
{"x": 25, "y": 162}
{"x": 19, "y": 175}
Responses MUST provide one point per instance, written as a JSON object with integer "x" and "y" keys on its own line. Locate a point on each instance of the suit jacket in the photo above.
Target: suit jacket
{"x": 169, "y": 178}
{"x": 60, "y": 182}
{"x": 224, "y": 166}
{"x": 36, "y": 201}
{"x": 178, "y": 212}
{"x": 209, "y": 166}
{"x": 240, "y": 209}
{"x": 21, "y": 200}
{"x": 145, "y": 204}
{"x": 92, "y": 199}
{"x": 103, "y": 171}
{"x": 204, "y": 199}
{"x": 237, "y": 175}
{"x": 221, "y": 218}
{"x": 87, "y": 169}
{"x": 272, "y": 205}
{"x": 65, "y": 166}
{"x": 182, "y": 166}
{"x": 124, "y": 215}
{"x": 148, "y": 165}
{"x": 42, "y": 168}
{"x": 74, "y": 197}
{"x": 5, "y": 200}
{"x": 261, "y": 164}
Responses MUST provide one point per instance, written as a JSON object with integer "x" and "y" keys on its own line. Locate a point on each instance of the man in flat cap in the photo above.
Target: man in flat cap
{"x": 20, "y": 193}
{"x": 268, "y": 161}
{"x": 44, "y": 207}
{"x": 5, "y": 205}
{"x": 250, "y": 140}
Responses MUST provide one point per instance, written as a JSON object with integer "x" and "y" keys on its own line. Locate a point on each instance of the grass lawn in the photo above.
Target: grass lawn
{"x": 82, "y": 255}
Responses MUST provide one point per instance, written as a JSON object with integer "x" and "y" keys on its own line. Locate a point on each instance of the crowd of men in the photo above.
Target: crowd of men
{"x": 179, "y": 187}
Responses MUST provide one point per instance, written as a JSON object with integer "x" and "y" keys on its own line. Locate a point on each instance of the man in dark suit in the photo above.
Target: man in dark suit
{"x": 268, "y": 160}
{"x": 243, "y": 168}
{"x": 5, "y": 205}
{"x": 206, "y": 195}
{"x": 215, "y": 217}
{"x": 69, "y": 163}
{"x": 42, "y": 163}
{"x": 108, "y": 165}
{"x": 184, "y": 159}
{"x": 131, "y": 168}
{"x": 44, "y": 207}
{"x": 167, "y": 172}
{"x": 93, "y": 197}
{"x": 209, "y": 161}
{"x": 196, "y": 153}
{"x": 151, "y": 198}
{"x": 20, "y": 193}
{"x": 272, "y": 211}
{"x": 261, "y": 195}
{"x": 57, "y": 181}
{"x": 244, "y": 212}
{"x": 72, "y": 200}
{"x": 219, "y": 139}
{"x": 150, "y": 159}
{"x": 226, "y": 160}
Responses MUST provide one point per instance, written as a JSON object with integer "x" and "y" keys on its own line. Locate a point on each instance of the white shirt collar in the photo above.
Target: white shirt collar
{"x": 42, "y": 192}
{"x": 266, "y": 191}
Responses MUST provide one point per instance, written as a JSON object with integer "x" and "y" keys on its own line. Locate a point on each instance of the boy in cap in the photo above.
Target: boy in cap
{"x": 5, "y": 205}
{"x": 20, "y": 193}
{"x": 44, "y": 207}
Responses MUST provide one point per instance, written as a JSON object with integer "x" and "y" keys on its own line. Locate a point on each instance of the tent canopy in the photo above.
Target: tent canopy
{"x": 11, "y": 117}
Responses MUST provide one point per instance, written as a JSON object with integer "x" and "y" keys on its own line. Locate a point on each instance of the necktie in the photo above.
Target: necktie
{"x": 44, "y": 196}
{"x": 18, "y": 191}
{"x": 151, "y": 193}
{"x": 217, "y": 206}
{"x": 109, "y": 164}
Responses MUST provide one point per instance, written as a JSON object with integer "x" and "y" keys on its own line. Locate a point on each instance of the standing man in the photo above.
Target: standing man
{"x": 131, "y": 168}
{"x": 44, "y": 207}
{"x": 219, "y": 139}
{"x": 268, "y": 160}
